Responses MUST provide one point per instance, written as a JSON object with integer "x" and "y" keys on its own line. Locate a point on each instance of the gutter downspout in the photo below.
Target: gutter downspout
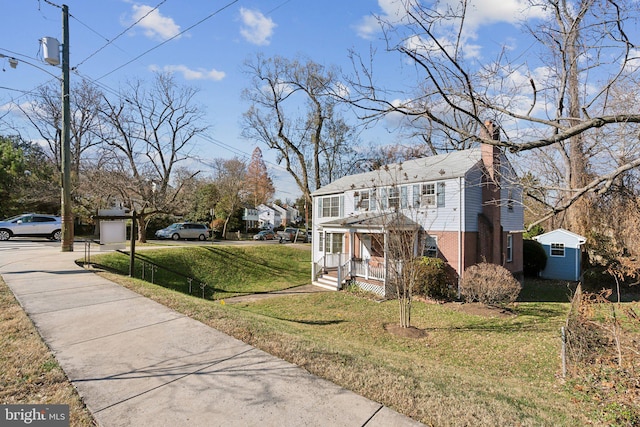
{"x": 459, "y": 233}
{"x": 386, "y": 259}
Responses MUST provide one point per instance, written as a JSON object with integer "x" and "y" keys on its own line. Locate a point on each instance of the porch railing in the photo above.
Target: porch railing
{"x": 347, "y": 267}
{"x": 362, "y": 268}
{"x": 344, "y": 271}
{"x": 317, "y": 267}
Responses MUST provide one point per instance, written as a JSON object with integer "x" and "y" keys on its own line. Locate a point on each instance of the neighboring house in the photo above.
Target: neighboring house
{"x": 293, "y": 215}
{"x": 564, "y": 254}
{"x": 284, "y": 219}
{"x": 251, "y": 218}
{"x": 464, "y": 207}
{"x": 268, "y": 217}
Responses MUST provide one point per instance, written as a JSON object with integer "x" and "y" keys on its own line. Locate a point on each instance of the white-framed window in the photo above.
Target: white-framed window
{"x": 424, "y": 195}
{"x": 509, "y": 247}
{"x": 404, "y": 197}
{"x": 382, "y": 198}
{"x": 373, "y": 198}
{"x": 393, "y": 195}
{"x": 362, "y": 202}
{"x": 440, "y": 194}
{"x": 557, "y": 249}
{"x": 332, "y": 244}
{"x": 330, "y": 207}
{"x": 430, "y": 247}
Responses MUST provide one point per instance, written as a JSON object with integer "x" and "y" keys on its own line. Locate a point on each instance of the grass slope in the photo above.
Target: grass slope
{"x": 468, "y": 370}
{"x": 227, "y": 270}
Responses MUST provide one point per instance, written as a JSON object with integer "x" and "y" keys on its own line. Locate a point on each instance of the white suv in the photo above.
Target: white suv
{"x": 31, "y": 225}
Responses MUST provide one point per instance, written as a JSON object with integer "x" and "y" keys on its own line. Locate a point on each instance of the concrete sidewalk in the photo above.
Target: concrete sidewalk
{"x": 137, "y": 363}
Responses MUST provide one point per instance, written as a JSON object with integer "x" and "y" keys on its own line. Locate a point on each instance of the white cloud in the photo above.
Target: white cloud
{"x": 367, "y": 27}
{"x": 489, "y": 12}
{"x": 633, "y": 63}
{"x": 425, "y": 47}
{"x": 341, "y": 90}
{"x": 391, "y": 11}
{"x": 479, "y": 13}
{"x": 256, "y": 28}
{"x": 190, "y": 74}
{"x": 154, "y": 24}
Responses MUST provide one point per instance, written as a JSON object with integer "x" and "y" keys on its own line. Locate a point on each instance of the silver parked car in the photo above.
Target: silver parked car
{"x": 31, "y": 225}
{"x": 184, "y": 230}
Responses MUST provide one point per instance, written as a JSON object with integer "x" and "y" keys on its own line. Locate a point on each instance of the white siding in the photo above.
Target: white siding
{"x": 512, "y": 220}
{"x": 472, "y": 199}
{"x": 349, "y": 207}
{"x": 443, "y": 218}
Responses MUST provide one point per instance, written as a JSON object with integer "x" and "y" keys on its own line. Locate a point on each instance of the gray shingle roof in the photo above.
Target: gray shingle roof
{"x": 442, "y": 166}
{"x": 398, "y": 221}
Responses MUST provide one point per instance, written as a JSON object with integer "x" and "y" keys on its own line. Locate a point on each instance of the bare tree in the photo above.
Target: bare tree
{"x": 307, "y": 142}
{"x": 555, "y": 100}
{"x": 150, "y": 129}
{"x": 44, "y": 113}
{"x": 377, "y": 157}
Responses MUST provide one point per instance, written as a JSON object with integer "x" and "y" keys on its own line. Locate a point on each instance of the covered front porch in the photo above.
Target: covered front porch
{"x": 358, "y": 250}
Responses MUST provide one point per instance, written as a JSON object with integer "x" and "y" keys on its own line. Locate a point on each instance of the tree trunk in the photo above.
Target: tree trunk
{"x": 577, "y": 214}
{"x": 142, "y": 229}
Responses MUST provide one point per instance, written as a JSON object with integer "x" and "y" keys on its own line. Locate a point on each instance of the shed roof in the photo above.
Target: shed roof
{"x": 443, "y": 166}
{"x": 561, "y": 233}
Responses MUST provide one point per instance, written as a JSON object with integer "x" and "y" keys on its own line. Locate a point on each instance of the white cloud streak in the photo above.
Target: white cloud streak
{"x": 256, "y": 28}
{"x": 155, "y": 25}
{"x": 191, "y": 74}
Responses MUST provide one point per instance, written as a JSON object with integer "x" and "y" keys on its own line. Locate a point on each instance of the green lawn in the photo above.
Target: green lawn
{"x": 467, "y": 370}
{"x": 226, "y": 270}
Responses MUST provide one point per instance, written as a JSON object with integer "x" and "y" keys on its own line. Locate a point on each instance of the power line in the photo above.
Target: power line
{"x": 51, "y": 3}
{"x": 119, "y": 35}
{"x": 204, "y": 137}
{"x": 24, "y": 92}
{"x": 169, "y": 39}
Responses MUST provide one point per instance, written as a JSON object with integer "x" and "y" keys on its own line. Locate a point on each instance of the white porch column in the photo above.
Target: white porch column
{"x": 386, "y": 258}
{"x": 324, "y": 251}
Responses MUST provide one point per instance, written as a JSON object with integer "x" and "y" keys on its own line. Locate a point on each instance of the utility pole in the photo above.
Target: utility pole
{"x": 67, "y": 215}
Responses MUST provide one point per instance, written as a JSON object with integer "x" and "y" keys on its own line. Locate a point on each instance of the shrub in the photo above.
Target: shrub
{"x": 433, "y": 279}
{"x": 489, "y": 284}
{"x": 534, "y": 257}
{"x": 217, "y": 225}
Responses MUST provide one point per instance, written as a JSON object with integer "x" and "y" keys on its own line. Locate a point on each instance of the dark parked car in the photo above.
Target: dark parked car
{"x": 265, "y": 235}
{"x": 184, "y": 230}
{"x": 31, "y": 225}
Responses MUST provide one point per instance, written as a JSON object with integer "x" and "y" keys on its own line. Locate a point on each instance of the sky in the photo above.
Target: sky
{"x": 205, "y": 43}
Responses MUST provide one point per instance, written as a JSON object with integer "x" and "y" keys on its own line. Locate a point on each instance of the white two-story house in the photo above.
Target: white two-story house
{"x": 268, "y": 217}
{"x": 464, "y": 207}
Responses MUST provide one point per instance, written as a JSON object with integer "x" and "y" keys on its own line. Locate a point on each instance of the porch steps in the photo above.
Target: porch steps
{"x": 327, "y": 281}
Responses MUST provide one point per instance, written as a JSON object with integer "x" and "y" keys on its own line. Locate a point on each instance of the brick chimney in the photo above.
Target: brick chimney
{"x": 491, "y": 153}
{"x": 491, "y": 232}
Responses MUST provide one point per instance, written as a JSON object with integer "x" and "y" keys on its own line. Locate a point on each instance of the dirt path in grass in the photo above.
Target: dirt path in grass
{"x": 298, "y": 290}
